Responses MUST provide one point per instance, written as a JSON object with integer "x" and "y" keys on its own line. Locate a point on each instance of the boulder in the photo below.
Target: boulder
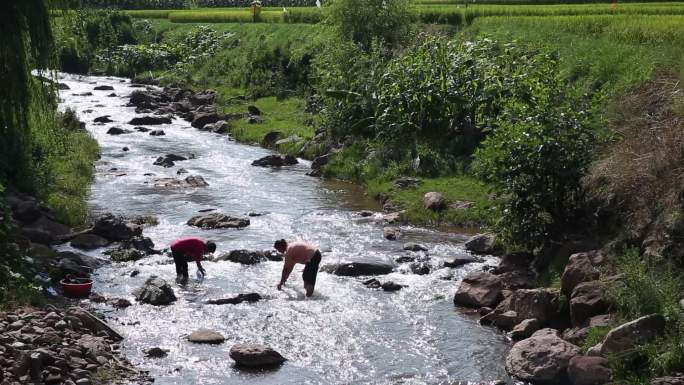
{"x": 155, "y": 291}
{"x": 104, "y": 88}
{"x": 405, "y": 258}
{"x": 481, "y": 244}
{"x": 275, "y": 161}
{"x": 240, "y": 298}
{"x": 391, "y": 286}
{"x": 245, "y": 257}
{"x": 206, "y": 336}
{"x": 587, "y": 301}
{"x": 576, "y": 335}
{"x": 103, "y": 119}
{"x": 115, "y": 228}
{"x": 372, "y": 283}
{"x": 253, "y": 110}
{"x": 255, "y": 356}
{"x": 63, "y": 86}
{"x": 525, "y": 329}
{"x": 320, "y": 161}
{"x": 218, "y": 221}
{"x": 540, "y": 304}
{"x": 581, "y": 267}
{"x": 271, "y": 137}
{"x": 203, "y": 98}
{"x": 156, "y": 352}
{"x": 420, "y": 268}
{"x": 220, "y": 127}
{"x": 634, "y": 333}
{"x": 356, "y": 269}
{"x": 45, "y": 231}
{"x": 195, "y": 181}
{"x": 88, "y": 242}
{"x": 414, "y": 247}
{"x": 203, "y": 118}
{"x": 140, "y": 243}
{"x": 188, "y": 182}
{"x": 434, "y": 201}
{"x": 27, "y": 211}
{"x": 502, "y": 320}
{"x": 583, "y": 370}
{"x": 392, "y": 233}
{"x": 542, "y": 358}
{"x": 157, "y": 133}
{"x": 150, "y": 120}
{"x": 80, "y": 260}
{"x": 461, "y": 260}
{"x": 119, "y": 303}
{"x": 479, "y": 289}
{"x": 519, "y": 279}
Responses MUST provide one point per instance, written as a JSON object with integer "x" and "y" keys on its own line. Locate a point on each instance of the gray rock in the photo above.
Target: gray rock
{"x": 103, "y": 119}
{"x": 245, "y": 257}
{"x": 581, "y": 267}
{"x": 634, "y": 333}
{"x": 461, "y": 260}
{"x": 104, "y": 88}
{"x": 525, "y": 329}
{"x": 156, "y": 352}
{"x": 115, "y": 228}
{"x": 89, "y": 242}
{"x": 157, "y": 133}
{"x": 414, "y": 247}
{"x": 275, "y": 161}
{"x": 503, "y": 320}
{"x": 240, "y": 298}
{"x": 203, "y": 118}
{"x": 420, "y": 268}
{"x": 479, "y": 289}
{"x": 320, "y": 161}
{"x": 392, "y": 233}
{"x": 481, "y": 244}
{"x": 391, "y": 286}
{"x": 156, "y": 292}
{"x": 255, "y": 356}
{"x": 45, "y": 231}
{"x": 206, "y": 336}
{"x": 540, "y": 304}
{"x": 118, "y": 131}
{"x": 150, "y": 120}
{"x": 271, "y": 137}
{"x": 357, "y": 269}
{"x": 434, "y": 201}
{"x": 218, "y": 221}
{"x": 542, "y": 358}
{"x": 519, "y": 279}
{"x": 583, "y": 370}
{"x": 407, "y": 182}
{"x": 587, "y": 301}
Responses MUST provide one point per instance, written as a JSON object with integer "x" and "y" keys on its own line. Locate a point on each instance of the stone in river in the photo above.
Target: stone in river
{"x": 240, "y": 298}
{"x": 157, "y": 133}
{"x": 89, "y": 242}
{"x": 149, "y": 120}
{"x": 156, "y": 292}
{"x": 218, "y": 221}
{"x": 104, "y": 88}
{"x": 103, "y": 119}
{"x": 410, "y": 246}
{"x": 255, "y": 356}
{"x": 206, "y": 336}
{"x": 118, "y": 131}
{"x": 356, "y": 269}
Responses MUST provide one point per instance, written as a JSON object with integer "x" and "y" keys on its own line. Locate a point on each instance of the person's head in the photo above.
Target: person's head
{"x": 280, "y": 245}
{"x": 209, "y": 247}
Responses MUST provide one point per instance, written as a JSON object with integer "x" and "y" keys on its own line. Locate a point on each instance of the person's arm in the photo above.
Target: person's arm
{"x": 200, "y": 268}
{"x": 287, "y": 269}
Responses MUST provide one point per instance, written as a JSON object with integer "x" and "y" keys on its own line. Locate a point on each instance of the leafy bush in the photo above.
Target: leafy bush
{"x": 365, "y": 21}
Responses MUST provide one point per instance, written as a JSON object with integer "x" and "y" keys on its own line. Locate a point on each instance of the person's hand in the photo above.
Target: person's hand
{"x": 204, "y": 272}
{"x": 280, "y": 286}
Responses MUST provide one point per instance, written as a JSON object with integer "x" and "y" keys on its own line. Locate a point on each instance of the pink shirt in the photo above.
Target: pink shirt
{"x": 299, "y": 252}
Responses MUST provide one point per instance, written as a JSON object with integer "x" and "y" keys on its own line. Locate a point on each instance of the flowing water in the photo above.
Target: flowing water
{"x": 345, "y": 334}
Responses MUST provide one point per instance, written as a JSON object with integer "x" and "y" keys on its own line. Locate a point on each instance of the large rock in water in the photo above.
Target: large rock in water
{"x": 206, "y": 336}
{"x": 479, "y": 289}
{"x": 581, "y": 267}
{"x": 584, "y": 370}
{"x": 149, "y": 120}
{"x": 218, "y": 221}
{"x": 188, "y": 182}
{"x": 634, "y": 333}
{"x": 89, "y": 242}
{"x": 115, "y": 228}
{"x": 356, "y": 269}
{"x": 240, "y": 298}
{"x": 203, "y": 118}
{"x": 245, "y": 257}
{"x": 481, "y": 244}
{"x": 587, "y": 301}
{"x": 156, "y": 292}
{"x": 255, "y": 356}
{"x": 542, "y": 358}
{"x": 275, "y": 161}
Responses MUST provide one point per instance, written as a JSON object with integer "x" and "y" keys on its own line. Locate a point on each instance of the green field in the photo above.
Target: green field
{"x": 454, "y": 14}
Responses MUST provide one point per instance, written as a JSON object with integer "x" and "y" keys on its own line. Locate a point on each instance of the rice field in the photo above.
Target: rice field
{"x": 431, "y": 12}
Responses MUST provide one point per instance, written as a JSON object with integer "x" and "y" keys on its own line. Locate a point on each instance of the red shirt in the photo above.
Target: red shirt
{"x": 193, "y": 247}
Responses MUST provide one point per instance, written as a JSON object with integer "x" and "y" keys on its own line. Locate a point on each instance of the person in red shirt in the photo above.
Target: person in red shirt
{"x": 185, "y": 250}
{"x": 299, "y": 252}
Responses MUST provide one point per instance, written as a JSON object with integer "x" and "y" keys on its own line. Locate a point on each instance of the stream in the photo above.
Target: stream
{"x": 345, "y": 334}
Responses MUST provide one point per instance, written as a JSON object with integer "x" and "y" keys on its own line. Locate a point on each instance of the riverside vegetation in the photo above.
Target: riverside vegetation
{"x": 557, "y": 127}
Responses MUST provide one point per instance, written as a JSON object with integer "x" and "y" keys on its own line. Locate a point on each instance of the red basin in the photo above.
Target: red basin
{"x": 77, "y": 290}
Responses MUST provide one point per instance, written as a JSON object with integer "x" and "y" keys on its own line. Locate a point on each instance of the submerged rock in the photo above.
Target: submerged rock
{"x": 156, "y": 352}
{"x": 461, "y": 260}
{"x": 188, "y": 182}
{"x": 156, "y": 133}
{"x": 392, "y": 233}
{"x": 255, "y": 356}
{"x": 104, "y": 88}
{"x": 218, "y": 221}
{"x": 356, "y": 269}
{"x": 410, "y": 246}
{"x": 149, "y": 120}
{"x": 103, "y": 119}
{"x": 118, "y": 131}
{"x": 206, "y": 336}
{"x": 245, "y": 257}
{"x": 155, "y": 291}
{"x": 240, "y": 298}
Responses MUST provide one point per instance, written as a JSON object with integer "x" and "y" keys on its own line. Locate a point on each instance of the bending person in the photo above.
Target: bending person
{"x": 185, "y": 250}
{"x": 299, "y": 252}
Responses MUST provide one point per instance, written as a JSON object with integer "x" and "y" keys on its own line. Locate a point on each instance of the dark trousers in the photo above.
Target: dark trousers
{"x": 181, "y": 261}
{"x": 311, "y": 269}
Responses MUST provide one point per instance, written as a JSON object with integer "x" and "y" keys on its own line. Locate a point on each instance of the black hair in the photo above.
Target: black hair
{"x": 210, "y": 246}
{"x": 280, "y": 244}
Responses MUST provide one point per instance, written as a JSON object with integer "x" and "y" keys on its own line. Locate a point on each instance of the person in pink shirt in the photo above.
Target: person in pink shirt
{"x": 185, "y": 250}
{"x": 299, "y": 252}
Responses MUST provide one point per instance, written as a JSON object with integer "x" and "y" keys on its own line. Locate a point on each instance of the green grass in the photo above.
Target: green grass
{"x": 286, "y": 116}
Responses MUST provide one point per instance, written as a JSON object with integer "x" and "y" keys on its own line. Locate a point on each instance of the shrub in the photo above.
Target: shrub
{"x": 365, "y": 21}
